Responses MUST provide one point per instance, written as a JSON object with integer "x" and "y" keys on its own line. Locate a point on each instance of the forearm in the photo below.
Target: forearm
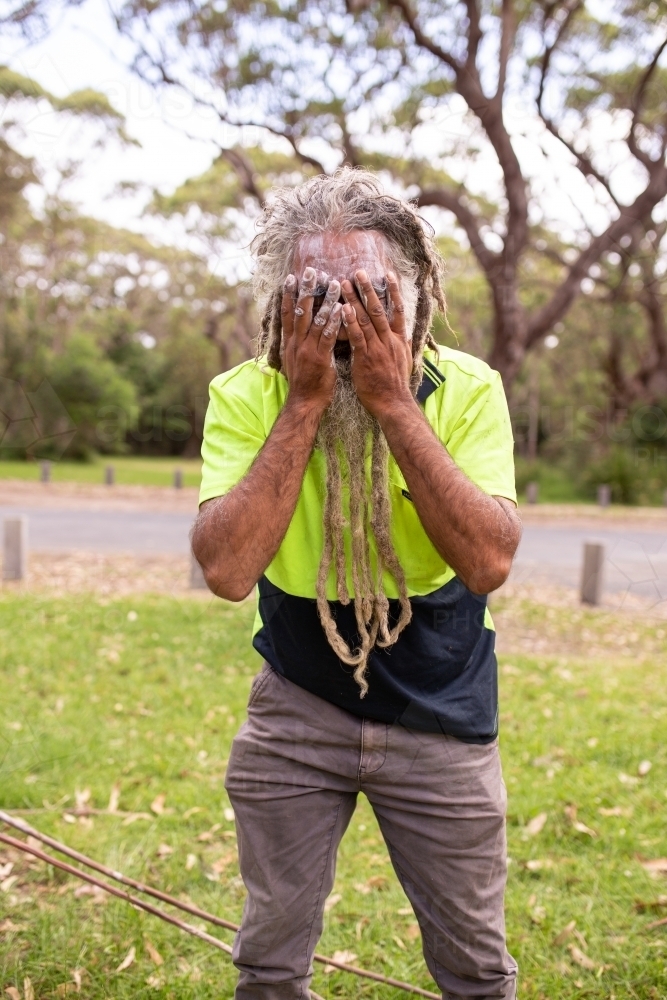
{"x": 236, "y": 536}
{"x": 471, "y": 530}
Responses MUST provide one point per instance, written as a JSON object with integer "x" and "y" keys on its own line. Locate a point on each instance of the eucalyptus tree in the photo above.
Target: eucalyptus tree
{"x": 529, "y": 122}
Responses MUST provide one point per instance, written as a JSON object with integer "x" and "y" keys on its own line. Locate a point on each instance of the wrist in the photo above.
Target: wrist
{"x": 304, "y": 409}
{"x": 396, "y": 410}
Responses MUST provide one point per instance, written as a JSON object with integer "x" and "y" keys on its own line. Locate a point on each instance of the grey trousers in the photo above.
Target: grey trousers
{"x": 294, "y": 773}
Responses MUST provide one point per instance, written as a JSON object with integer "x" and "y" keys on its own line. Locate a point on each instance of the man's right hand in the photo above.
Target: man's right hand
{"x": 308, "y": 341}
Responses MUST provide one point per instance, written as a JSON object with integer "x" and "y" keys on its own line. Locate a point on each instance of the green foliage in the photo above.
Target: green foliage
{"x": 102, "y": 404}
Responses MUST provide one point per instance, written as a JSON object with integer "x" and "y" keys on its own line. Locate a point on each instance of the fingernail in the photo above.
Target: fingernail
{"x": 334, "y": 287}
{"x": 290, "y": 282}
{"x": 391, "y": 275}
{"x": 361, "y": 275}
{"x": 309, "y": 274}
{"x": 344, "y": 317}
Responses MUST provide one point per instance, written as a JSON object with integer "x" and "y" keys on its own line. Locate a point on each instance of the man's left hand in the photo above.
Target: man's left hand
{"x": 381, "y": 350}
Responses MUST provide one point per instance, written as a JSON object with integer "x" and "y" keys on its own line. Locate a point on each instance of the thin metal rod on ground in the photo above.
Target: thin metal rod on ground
{"x": 195, "y": 911}
{"x": 134, "y": 900}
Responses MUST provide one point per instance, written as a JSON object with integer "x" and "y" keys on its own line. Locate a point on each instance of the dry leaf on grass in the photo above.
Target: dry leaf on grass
{"x": 331, "y": 901}
{"x": 28, "y": 991}
{"x": 157, "y": 805}
{"x": 537, "y": 864}
{"x": 77, "y": 976}
{"x": 563, "y": 935}
{"x": 6, "y": 870}
{"x": 128, "y": 960}
{"x": 82, "y": 798}
{"x": 536, "y": 825}
{"x": 12, "y": 993}
{"x": 224, "y": 861}
{"x": 164, "y": 850}
{"x": 640, "y": 905}
{"x": 153, "y": 953}
{"x": 229, "y": 815}
{"x": 346, "y": 957}
{"x": 615, "y": 811}
{"x": 379, "y": 882}
{"x": 9, "y": 927}
{"x": 583, "y": 960}
{"x": 582, "y": 828}
{"x": 209, "y": 834}
{"x": 655, "y": 867}
{"x": 412, "y": 933}
{"x": 114, "y": 798}
{"x": 156, "y": 981}
{"x": 398, "y": 941}
{"x": 191, "y": 812}
{"x": 359, "y": 927}
{"x": 643, "y": 768}
{"x": 133, "y": 817}
{"x": 190, "y": 862}
{"x": 7, "y": 883}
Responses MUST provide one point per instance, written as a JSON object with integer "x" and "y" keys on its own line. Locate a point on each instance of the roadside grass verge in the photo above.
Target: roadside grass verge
{"x": 144, "y": 694}
{"x": 129, "y": 470}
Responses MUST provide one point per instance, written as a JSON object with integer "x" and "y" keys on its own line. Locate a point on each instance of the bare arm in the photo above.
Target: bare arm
{"x": 236, "y": 536}
{"x": 477, "y": 535}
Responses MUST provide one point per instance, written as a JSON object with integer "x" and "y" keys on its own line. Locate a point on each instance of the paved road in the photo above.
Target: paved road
{"x": 104, "y": 531}
{"x": 636, "y": 560}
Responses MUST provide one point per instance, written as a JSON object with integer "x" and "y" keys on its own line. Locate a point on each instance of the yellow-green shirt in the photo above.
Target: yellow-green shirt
{"x": 464, "y": 402}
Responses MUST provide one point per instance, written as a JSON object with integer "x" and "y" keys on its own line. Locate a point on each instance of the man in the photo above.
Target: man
{"x": 362, "y": 477}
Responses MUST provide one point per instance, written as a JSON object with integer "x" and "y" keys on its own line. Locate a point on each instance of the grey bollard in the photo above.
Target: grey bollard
{"x": 178, "y": 479}
{"x": 197, "y": 581}
{"x": 45, "y": 472}
{"x": 532, "y": 492}
{"x": 604, "y": 495}
{"x": 15, "y": 555}
{"x": 109, "y": 475}
{"x": 591, "y": 573}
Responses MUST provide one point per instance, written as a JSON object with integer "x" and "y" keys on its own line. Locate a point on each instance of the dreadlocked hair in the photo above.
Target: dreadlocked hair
{"x": 352, "y": 199}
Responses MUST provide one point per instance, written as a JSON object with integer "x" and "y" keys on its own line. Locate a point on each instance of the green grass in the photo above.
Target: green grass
{"x": 149, "y": 691}
{"x": 129, "y": 470}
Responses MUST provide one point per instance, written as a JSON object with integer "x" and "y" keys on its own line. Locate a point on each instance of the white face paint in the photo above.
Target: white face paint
{"x": 341, "y": 255}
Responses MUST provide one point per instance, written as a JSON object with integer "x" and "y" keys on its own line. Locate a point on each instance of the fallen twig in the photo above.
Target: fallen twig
{"x": 24, "y": 827}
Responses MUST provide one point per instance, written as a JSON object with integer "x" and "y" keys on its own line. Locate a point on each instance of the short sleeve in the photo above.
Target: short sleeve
{"x": 233, "y": 436}
{"x": 481, "y": 441}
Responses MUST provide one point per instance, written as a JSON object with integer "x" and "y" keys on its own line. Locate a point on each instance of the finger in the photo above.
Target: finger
{"x": 361, "y": 318}
{"x": 331, "y": 328}
{"x": 330, "y": 299}
{"x": 374, "y": 309}
{"x": 287, "y": 308}
{"x": 354, "y": 331}
{"x": 398, "y": 308}
{"x": 304, "y": 303}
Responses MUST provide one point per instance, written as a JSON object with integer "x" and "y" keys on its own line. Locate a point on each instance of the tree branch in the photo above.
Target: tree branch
{"x": 474, "y": 36}
{"x": 172, "y": 81}
{"x": 583, "y": 161}
{"x": 629, "y": 215}
{"x": 638, "y": 100}
{"x": 507, "y": 35}
{"x": 424, "y": 40}
{"x": 488, "y": 260}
